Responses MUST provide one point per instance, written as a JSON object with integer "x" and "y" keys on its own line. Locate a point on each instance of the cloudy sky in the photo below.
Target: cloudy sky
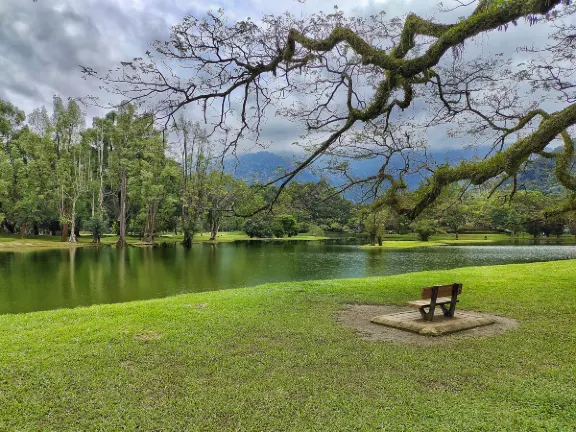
{"x": 43, "y": 43}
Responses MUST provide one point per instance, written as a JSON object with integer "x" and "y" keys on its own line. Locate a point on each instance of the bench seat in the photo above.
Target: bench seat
{"x": 438, "y": 295}
{"x": 426, "y": 302}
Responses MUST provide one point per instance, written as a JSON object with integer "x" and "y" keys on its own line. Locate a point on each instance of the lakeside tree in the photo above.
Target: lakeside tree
{"x": 349, "y": 80}
{"x": 195, "y": 168}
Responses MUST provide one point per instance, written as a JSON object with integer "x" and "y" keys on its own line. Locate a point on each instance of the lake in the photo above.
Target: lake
{"x": 53, "y": 279}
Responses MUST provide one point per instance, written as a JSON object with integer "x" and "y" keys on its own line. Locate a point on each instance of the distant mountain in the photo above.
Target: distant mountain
{"x": 265, "y": 166}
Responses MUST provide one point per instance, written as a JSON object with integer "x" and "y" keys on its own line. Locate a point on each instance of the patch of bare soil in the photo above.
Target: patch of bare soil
{"x": 148, "y": 335}
{"x": 359, "y": 317}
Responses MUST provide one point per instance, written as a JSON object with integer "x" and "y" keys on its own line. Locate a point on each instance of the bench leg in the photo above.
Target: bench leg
{"x": 428, "y": 316}
{"x": 455, "y": 289}
{"x": 445, "y": 310}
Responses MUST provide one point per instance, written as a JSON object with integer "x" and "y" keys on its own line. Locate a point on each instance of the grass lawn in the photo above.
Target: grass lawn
{"x": 410, "y": 240}
{"x": 273, "y": 358}
{"x": 35, "y": 243}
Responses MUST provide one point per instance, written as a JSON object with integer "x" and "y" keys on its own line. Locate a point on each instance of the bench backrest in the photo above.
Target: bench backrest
{"x": 443, "y": 291}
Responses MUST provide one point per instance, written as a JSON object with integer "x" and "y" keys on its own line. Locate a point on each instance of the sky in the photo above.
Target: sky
{"x": 43, "y": 43}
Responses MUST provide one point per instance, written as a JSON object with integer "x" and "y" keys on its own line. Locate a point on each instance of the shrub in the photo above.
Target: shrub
{"x": 289, "y": 225}
{"x": 315, "y": 230}
{"x": 424, "y": 229}
{"x": 96, "y": 226}
{"x": 260, "y": 227}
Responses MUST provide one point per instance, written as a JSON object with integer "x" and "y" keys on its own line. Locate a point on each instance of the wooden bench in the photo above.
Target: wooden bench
{"x": 439, "y": 295}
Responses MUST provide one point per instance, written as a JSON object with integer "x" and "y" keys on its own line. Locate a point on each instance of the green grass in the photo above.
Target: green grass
{"x": 410, "y": 240}
{"x": 41, "y": 242}
{"x": 273, "y": 358}
{"x": 35, "y": 243}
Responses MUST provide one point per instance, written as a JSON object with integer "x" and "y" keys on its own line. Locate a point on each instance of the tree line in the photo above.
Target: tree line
{"x": 123, "y": 175}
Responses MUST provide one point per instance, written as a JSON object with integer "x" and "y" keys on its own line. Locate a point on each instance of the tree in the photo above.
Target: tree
{"x": 137, "y": 157}
{"x": 195, "y": 168}
{"x": 507, "y": 218}
{"x": 289, "y": 224}
{"x": 554, "y": 226}
{"x": 336, "y": 60}
{"x": 67, "y": 125}
{"x": 455, "y": 217}
{"x": 259, "y": 226}
{"x": 424, "y": 228}
{"x": 11, "y": 118}
{"x": 222, "y": 190}
{"x": 534, "y": 227}
{"x": 376, "y": 223}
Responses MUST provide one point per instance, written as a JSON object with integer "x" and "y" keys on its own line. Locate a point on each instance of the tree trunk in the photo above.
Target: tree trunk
{"x": 187, "y": 242}
{"x": 188, "y": 227}
{"x": 22, "y": 230}
{"x": 150, "y": 222}
{"x": 372, "y": 239}
{"x": 35, "y": 229}
{"x": 122, "y": 240}
{"x": 214, "y": 224}
{"x": 379, "y": 238}
{"x": 64, "y": 236}
{"x": 73, "y": 238}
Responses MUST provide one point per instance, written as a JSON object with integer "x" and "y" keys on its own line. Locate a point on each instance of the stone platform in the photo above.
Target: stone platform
{"x": 413, "y": 322}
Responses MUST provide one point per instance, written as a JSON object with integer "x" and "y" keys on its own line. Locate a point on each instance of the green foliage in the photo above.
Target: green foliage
{"x": 506, "y": 218}
{"x": 259, "y": 227}
{"x": 319, "y": 204}
{"x": 10, "y": 118}
{"x": 97, "y": 226}
{"x": 315, "y": 230}
{"x": 424, "y": 228}
{"x": 288, "y": 224}
{"x": 277, "y": 228}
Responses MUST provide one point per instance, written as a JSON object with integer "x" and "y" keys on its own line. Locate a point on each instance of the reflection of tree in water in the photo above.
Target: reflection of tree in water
{"x": 84, "y": 276}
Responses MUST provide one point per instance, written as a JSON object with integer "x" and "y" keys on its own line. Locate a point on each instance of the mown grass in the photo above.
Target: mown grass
{"x": 273, "y": 358}
{"x": 35, "y": 243}
{"x": 410, "y": 240}
{"x": 42, "y": 242}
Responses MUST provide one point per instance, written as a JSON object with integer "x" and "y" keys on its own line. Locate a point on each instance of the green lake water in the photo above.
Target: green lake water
{"x": 45, "y": 280}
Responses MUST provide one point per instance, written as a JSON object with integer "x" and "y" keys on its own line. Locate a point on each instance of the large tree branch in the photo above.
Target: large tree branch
{"x": 507, "y": 161}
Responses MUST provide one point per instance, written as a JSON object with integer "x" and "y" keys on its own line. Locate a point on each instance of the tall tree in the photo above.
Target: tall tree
{"x": 354, "y": 77}
{"x": 67, "y": 124}
{"x": 195, "y": 166}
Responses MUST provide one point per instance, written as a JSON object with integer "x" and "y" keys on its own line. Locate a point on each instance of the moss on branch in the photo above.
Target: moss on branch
{"x": 505, "y": 162}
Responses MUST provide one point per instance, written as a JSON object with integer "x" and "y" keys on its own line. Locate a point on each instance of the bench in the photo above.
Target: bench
{"x": 439, "y": 295}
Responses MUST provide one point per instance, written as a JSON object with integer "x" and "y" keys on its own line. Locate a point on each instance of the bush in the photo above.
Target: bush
{"x": 278, "y": 229}
{"x": 289, "y": 225}
{"x": 315, "y": 230}
{"x": 424, "y": 229}
{"x": 304, "y": 227}
{"x": 259, "y": 227}
{"x": 96, "y": 225}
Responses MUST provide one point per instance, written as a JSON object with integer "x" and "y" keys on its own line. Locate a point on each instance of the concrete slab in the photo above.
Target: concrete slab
{"x": 413, "y": 322}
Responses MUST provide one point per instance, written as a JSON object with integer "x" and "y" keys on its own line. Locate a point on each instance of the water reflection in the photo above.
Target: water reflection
{"x": 74, "y": 277}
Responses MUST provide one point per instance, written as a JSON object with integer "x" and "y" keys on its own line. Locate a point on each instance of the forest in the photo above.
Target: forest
{"x": 123, "y": 175}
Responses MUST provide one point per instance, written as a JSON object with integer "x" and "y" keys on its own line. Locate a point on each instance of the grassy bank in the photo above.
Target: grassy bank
{"x": 411, "y": 240}
{"x": 35, "y": 243}
{"x": 273, "y": 358}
